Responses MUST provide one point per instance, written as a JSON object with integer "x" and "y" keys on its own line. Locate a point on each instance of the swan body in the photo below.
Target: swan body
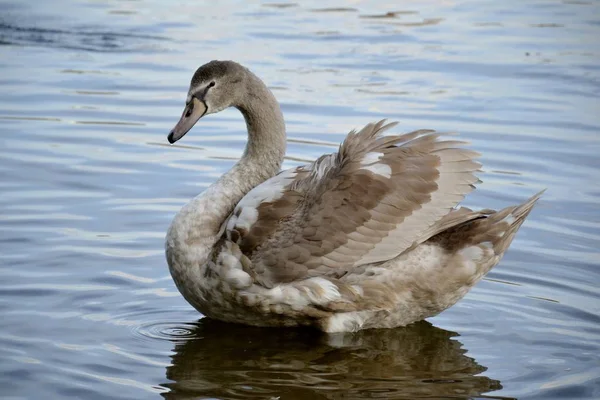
{"x": 368, "y": 237}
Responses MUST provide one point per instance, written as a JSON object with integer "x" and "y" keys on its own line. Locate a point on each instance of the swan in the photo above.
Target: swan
{"x": 368, "y": 237}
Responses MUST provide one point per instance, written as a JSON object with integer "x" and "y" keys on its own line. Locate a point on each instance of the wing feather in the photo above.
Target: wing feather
{"x": 372, "y": 200}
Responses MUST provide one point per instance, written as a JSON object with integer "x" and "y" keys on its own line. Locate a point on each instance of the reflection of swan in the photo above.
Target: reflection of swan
{"x": 231, "y": 361}
{"x": 364, "y": 238}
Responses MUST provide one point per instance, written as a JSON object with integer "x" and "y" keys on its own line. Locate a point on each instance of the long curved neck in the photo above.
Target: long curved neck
{"x": 196, "y": 227}
{"x": 266, "y": 129}
{"x": 265, "y": 148}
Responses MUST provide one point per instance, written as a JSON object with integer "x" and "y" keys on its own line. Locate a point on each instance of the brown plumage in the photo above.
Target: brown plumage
{"x": 366, "y": 237}
{"x": 335, "y": 214}
{"x": 464, "y": 228}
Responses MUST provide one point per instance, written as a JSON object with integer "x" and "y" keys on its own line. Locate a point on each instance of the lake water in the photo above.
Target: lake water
{"x": 89, "y": 91}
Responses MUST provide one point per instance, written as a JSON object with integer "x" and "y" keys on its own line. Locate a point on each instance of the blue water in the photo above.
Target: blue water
{"x": 90, "y": 89}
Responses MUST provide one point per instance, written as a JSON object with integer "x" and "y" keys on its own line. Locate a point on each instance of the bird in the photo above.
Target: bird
{"x": 371, "y": 236}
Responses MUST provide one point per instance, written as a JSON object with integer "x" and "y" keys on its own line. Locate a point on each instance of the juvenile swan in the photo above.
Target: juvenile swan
{"x": 368, "y": 237}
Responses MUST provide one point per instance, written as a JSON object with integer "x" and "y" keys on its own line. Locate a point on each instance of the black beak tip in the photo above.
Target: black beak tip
{"x": 170, "y": 138}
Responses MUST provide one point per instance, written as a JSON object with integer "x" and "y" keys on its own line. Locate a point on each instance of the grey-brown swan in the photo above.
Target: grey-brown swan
{"x": 368, "y": 237}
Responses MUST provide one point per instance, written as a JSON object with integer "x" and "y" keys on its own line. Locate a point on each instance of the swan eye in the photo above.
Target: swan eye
{"x": 211, "y": 84}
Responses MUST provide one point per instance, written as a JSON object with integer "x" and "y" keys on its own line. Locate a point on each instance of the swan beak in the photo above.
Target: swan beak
{"x": 194, "y": 110}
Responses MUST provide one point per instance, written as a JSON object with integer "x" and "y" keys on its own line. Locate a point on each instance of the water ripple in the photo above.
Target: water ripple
{"x": 171, "y": 331}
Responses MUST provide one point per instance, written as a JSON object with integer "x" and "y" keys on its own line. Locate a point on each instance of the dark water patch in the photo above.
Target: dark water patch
{"x": 87, "y": 39}
{"x": 235, "y": 362}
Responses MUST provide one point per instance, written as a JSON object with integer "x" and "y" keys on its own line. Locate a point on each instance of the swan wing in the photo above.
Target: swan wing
{"x": 372, "y": 200}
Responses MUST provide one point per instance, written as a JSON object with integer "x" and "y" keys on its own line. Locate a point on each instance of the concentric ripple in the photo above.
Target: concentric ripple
{"x": 166, "y": 330}
{"x": 168, "y": 324}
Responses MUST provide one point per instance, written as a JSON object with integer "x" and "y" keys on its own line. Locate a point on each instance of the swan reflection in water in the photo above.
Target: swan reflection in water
{"x": 225, "y": 361}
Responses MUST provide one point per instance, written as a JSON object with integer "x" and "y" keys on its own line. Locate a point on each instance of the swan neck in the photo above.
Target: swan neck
{"x": 199, "y": 223}
{"x": 266, "y": 129}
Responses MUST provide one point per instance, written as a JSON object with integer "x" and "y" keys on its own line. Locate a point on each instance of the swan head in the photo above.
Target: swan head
{"x": 214, "y": 87}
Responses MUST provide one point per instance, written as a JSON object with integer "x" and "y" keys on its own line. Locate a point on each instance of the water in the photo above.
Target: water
{"x": 89, "y": 91}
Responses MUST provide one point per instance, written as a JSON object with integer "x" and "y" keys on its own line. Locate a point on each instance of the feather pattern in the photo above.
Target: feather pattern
{"x": 369, "y": 202}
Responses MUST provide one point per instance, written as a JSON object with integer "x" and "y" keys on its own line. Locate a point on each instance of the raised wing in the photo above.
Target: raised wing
{"x": 375, "y": 198}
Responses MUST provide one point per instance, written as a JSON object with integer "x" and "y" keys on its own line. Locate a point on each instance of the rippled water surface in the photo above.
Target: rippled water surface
{"x": 89, "y": 91}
